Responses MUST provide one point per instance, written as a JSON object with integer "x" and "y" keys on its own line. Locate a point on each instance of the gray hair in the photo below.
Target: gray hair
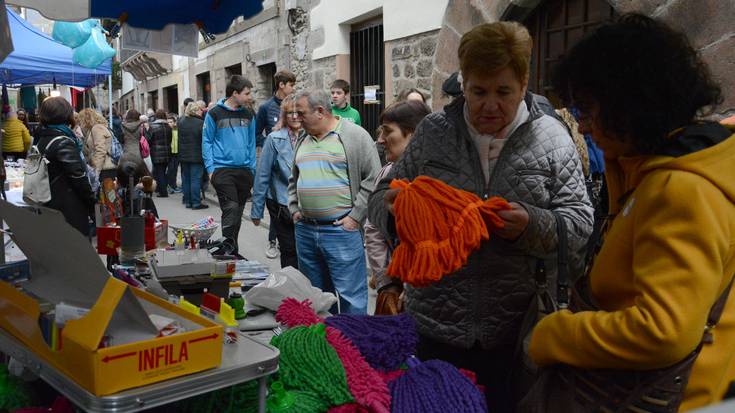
{"x": 316, "y": 98}
{"x": 192, "y": 108}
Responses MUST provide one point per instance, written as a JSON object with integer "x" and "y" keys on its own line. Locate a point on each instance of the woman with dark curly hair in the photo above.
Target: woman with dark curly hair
{"x": 668, "y": 254}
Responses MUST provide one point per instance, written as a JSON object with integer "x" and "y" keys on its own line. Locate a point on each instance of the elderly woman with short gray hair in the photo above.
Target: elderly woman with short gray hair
{"x": 492, "y": 141}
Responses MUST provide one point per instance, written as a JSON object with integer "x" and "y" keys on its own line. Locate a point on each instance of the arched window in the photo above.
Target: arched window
{"x": 556, "y": 25}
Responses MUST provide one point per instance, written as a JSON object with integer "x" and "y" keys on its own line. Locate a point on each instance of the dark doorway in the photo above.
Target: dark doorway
{"x": 265, "y": 84}
{"x": 153, "y": 97}
{"x": 172, "y": 99}
{"x": 555, "y": 26}
{"x": 204, "y": 87}
{"x": 367, "y": 68}
{"x": 233, "y": 70}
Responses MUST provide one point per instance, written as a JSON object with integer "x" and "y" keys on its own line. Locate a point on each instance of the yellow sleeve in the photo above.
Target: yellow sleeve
{"x": 680, "y": 245}
{"x": 26, "y": 139}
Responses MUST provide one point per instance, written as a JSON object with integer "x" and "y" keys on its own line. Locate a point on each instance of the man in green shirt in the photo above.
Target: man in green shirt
{"x": 340, "y": 91}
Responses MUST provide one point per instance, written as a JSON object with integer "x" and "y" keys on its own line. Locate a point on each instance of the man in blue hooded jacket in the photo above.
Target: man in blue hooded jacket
{"x": 228, "y": 150}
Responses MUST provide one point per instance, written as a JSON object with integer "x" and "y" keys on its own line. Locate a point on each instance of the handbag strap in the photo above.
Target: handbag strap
{"x": 562, "y": 272}
{"x": 562, "y": 275}
{"x": 715, "y": 313}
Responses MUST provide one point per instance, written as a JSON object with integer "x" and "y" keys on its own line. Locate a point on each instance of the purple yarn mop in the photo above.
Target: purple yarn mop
{"x": 384, "y": 341}
{"x": 435, "y": 386}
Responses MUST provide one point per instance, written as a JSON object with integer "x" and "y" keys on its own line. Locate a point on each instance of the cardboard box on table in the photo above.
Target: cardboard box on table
{"x": 64, "y": 267}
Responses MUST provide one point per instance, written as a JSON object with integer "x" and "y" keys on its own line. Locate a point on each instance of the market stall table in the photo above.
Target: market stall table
{"x": 244, "y": 361}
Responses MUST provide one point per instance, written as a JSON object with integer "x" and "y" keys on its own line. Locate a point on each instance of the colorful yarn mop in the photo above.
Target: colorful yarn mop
{"x": 294, "y": 313}
{"x": 384, "y": 341}
{"x": 435, "y": 386}
{"x": 439, "y": 226}
{"x": 366, "y": 385}
{"x": 282, "y": 401}
{"x": 309, "y": 364}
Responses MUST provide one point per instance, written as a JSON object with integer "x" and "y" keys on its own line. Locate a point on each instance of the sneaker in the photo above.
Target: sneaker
{"x": 200, "y": 206}
{"x": 178, "y": 190}
{"x": 170, "y": 190}
{"x": 272, "y": 250}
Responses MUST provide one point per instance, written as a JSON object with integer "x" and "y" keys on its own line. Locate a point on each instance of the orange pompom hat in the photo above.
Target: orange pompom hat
{"x": 438, "y": 226}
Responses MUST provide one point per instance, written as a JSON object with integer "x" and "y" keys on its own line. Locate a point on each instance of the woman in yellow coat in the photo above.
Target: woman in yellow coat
{"x": 669, "y": 252}
{"x": 16, "y": 138}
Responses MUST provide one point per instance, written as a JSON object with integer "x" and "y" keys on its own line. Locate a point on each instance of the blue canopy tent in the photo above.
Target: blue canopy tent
{"x": 39, "y": 59}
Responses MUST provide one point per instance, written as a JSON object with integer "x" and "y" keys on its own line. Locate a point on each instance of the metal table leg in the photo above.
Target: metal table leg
{"x": 262, "y": 393}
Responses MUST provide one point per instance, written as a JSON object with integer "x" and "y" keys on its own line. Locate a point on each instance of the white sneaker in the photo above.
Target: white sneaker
{"x": 271, "y": 251}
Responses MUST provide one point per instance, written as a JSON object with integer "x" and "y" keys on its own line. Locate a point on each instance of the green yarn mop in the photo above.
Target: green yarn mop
{"x": 14, "y": 394}
{"x": 282, "y": 401}
{"x": 309, "y": 364}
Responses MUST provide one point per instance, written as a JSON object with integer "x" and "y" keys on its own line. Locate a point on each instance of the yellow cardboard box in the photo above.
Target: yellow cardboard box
{"x": 110, "y": 370}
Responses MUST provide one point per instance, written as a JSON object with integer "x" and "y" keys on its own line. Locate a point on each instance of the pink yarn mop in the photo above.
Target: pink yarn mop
{"x": 366, "y": 385}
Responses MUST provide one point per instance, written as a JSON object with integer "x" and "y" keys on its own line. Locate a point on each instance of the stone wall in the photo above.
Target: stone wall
{"x": 707, "y": 23}
{"x": 299, "y": 52}
{"x": 709, "y": 26}
{"x": 323, "y": 73}
{"x": 411, "y": 61}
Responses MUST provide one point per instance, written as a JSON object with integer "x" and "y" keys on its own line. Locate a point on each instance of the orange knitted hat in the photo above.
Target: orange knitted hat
{"x": 438, "y": 227}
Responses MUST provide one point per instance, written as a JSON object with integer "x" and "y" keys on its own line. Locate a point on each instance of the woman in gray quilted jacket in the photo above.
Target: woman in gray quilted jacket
{"x": 493, "y": 140}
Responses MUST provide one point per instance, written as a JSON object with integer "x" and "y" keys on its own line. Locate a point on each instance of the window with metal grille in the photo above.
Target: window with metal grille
{"x": 555, "y": 26}
{"x": 367, "y": 68}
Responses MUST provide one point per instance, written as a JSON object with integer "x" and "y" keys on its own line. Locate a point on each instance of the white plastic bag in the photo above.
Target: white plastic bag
{"x": 288, "y": 283}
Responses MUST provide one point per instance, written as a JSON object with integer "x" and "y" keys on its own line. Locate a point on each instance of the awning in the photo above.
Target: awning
{"x": 39, "y": 59}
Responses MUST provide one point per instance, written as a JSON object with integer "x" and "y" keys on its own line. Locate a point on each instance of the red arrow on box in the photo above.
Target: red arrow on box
{"x": 108, "y": 359}
{"x": 212, "y": 337}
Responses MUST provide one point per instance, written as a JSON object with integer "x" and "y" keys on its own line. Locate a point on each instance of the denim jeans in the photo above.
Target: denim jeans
{"x": 332, "y": 258}
{"x": 191, "y": 180}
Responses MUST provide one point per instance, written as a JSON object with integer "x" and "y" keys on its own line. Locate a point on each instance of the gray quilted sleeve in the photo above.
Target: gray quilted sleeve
{"x": 568, "y": 198}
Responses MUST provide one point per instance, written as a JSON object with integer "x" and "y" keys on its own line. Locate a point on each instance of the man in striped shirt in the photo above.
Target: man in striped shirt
{"x": 333, "y": 174}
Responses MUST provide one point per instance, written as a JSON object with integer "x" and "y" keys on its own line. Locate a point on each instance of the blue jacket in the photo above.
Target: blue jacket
{"x": 274, "y": 169}
{"x": 228, "y": 138}
{"x": 268, "y": 115}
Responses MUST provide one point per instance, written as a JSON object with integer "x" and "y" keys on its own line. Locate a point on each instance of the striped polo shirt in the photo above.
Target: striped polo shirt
{"x": 323, "y": 186}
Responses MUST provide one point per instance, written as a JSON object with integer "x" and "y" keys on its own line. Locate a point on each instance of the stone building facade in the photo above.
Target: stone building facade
{"x": 707, "y": 23}
{"x": 296, "y": 34}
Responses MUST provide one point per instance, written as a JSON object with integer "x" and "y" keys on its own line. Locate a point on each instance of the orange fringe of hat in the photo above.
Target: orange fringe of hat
{"x": 439, "y": 226}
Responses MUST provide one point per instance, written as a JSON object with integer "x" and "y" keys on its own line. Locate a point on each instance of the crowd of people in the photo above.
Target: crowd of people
{"x": 649, "y": 255}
